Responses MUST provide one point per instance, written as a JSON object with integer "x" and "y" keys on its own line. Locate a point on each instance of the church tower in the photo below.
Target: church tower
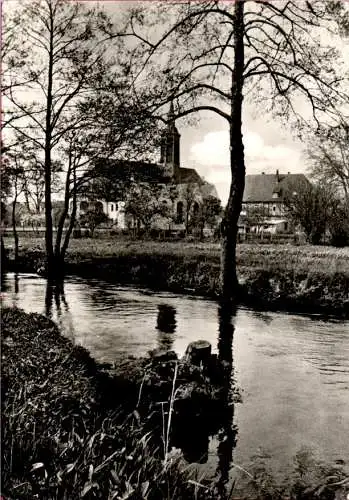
{"x": 170, "y": 146}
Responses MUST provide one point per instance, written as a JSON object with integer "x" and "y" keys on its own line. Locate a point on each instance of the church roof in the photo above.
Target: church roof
{"x": 261, "y": 187}
{"x": 139, "y": 171}
{"x": 187, "y": 176}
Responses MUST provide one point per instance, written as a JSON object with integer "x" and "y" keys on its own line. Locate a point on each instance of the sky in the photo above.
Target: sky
{"x": 269, "y": 145}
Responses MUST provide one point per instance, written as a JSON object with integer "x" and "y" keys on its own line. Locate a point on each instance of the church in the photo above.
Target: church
{"x": 181, "y": 191}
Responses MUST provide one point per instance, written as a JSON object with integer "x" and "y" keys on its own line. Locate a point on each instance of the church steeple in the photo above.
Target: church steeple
{"x": 170, "y": 145}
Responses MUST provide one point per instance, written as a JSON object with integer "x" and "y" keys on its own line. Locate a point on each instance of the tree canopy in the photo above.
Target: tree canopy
{"x": 214, "y": 56}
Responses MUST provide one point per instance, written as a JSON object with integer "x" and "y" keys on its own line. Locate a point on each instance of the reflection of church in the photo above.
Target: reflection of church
{"x": 181, "y": 189}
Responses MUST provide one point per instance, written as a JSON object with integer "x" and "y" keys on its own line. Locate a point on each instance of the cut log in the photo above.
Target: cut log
{"x": 198, "y": 352}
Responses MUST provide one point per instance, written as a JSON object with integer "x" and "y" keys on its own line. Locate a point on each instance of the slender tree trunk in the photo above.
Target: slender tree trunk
{"x": 14, "y": 227}
{"x": 187, "y": 221}
{"x": 229, "y": 281}
{"x": 51, "y": 264}
{"x": 3, "y": 255}
{"x": 65, "y": 245}
{"x": 60, "y": 228}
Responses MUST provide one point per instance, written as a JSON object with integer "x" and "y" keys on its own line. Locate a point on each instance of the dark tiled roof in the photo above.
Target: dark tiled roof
{"x": 140, "y": 171}
{"x": 260, "y": 188}
{"x": 187, "y": 175}
{"x": 123, "y": 171}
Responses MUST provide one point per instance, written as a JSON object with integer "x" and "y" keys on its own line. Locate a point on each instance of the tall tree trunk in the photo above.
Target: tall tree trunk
{"x": 229, "y": 281}
{"x": 62, "y": 219}
{"x": 3, "y": 255}
{"x": 64, "y": 248}
{"x": 51, "y": 264}
{"x": 14, "y": 227}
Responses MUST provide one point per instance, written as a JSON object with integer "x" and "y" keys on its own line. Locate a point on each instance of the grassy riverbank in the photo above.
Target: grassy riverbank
{"x": 295, "y": 278}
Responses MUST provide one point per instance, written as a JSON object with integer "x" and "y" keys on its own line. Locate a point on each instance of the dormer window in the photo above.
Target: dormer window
{"x": 275, "y": 195}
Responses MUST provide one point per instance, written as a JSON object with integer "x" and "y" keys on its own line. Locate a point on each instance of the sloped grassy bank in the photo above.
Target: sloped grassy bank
{"x": 70, "y": 429}
{"x": 302, "y": 279}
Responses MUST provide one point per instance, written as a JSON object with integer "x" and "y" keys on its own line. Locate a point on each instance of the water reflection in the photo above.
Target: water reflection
{"x": 166, "y": 326}
{"x": 228, "y": 432}
{"x": 57, "y": 307}
{"x": 266, "y": 318}
{"x": 292, "y": 370}
{"x": 8, "y": 284}
{"x": 196, "y": 428}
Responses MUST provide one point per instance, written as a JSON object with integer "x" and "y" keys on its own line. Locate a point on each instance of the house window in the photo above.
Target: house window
{"x": 83, "y": 206}
{"x": 274, "y": 208}
{"x": 112, "y": 207}
{"x": 195, "y": 208}
{"x": 179, "y": 218}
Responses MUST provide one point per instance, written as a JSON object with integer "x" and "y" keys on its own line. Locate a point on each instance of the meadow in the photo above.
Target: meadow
{"x": 308, "y": 279}
{"x": 269, "y": 257}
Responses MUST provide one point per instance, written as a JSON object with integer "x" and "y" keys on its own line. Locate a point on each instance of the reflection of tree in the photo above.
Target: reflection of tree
{"x": 227, "y": 433}
{"x": 57, "y": 305}
{"x": 16, "y": 290}
{"x": 4, "y": 281}
{"x": 166, "y": 325}
{"x": 203, "y": 414}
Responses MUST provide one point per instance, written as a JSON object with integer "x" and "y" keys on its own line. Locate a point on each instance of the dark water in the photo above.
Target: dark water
{"x": 292, "y": 371}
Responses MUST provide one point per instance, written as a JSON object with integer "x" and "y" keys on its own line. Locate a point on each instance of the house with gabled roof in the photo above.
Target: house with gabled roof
{"x": 265, "y": 194}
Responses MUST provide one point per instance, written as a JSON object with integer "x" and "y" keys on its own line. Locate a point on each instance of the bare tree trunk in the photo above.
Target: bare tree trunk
{"x": 72, "y": 221}
{"x": 229, "y": 281}
{"x": 51, "y": 265}
{"x": 62, "y": 219}
{"x": 3, "y": 255}
{"x": 14, "y": 227}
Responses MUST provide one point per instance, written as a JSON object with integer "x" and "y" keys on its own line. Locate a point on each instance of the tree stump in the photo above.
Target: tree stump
{"x": 198, "y": 352}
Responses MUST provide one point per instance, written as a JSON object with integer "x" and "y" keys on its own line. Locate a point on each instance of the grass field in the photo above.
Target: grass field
{"x": 306, "y": 258}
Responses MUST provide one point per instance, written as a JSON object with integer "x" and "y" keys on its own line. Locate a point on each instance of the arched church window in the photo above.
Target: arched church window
{"x": 179, "y": 218}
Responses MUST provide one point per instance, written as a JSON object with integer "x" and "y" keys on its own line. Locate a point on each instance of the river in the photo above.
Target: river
{"x": 292, "y": 371}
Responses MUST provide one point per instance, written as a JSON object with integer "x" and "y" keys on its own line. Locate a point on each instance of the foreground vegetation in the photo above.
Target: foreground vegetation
{"x": 285, "y": 277}
{"x": 67, "y": 432}
{"x": 70, "y": 430}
